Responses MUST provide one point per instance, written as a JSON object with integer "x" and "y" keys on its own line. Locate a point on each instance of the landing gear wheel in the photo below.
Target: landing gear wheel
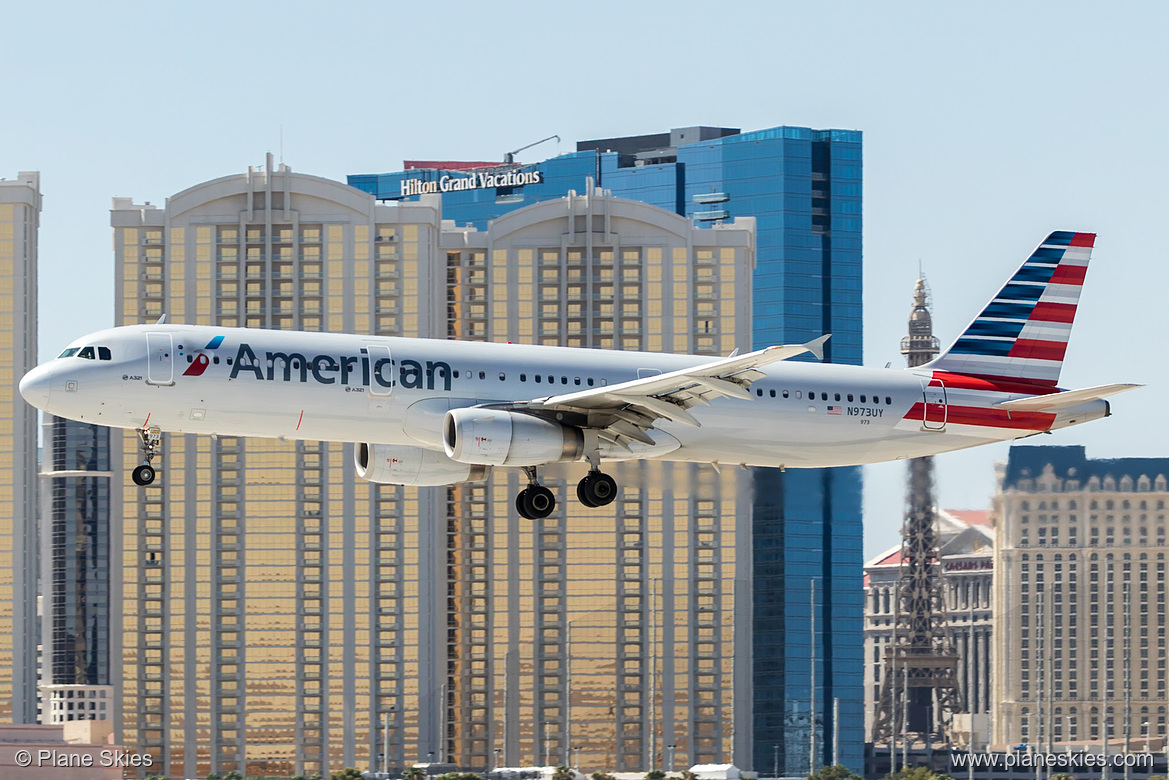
{"x": 596, "y": 489}
{"x": 151, "y": 439}
{"x": 535, "y": 502}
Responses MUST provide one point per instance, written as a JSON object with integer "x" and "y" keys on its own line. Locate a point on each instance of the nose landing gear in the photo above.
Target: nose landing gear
{"x": 534, "y": 502}
{"x": 151, "y": 439}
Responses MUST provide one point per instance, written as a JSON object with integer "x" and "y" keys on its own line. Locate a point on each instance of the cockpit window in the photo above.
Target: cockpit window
{"x": 103, "y": 353}
{"x": 68, "y": 353}
{"x": 86, "y": 352}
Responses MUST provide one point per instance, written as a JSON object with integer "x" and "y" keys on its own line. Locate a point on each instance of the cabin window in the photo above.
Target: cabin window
{"x": 538, "y": 378}
{"x": 502, "y": 376}
{"x": 838, "y": 396}
{"x": 455, "y": 373}
{"x": 68, "y": 353}
{"x": 850, "y": 397}
{"x": 590, "y": 381}
{"x": 823, "y": 396}
{"x": 482, "y": 374}
{"x": 576, "y": 380}
{"x": 773, "y": 394}
{"x": 214, "y": 360}
{"x": 103, "y": 353}
{"x": 563, "y": 380}
{"x": 759, "y": 392}
{"x": 799, "y": 394}
{"x": 523, "y": 377}
{"x": 785, "y": 393}
{"x": 551, "y": 379}
{"x": 862, "y": 398}
{"x": 86, "y": 352}
{"x": 889, "y": 400}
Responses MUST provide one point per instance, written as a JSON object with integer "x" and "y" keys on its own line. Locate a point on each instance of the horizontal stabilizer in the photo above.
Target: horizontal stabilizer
{"x": 1064, "y": 400}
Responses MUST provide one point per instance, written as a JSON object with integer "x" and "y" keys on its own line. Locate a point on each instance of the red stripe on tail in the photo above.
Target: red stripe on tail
{"x": 1069, "y": 274}
{"x": 1038, "y": 350}
{"x": 1054, "y": 312}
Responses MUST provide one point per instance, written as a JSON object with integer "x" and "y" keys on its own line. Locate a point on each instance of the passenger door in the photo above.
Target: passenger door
{"x": 159, "y": 366}
{"x": 381, "y": 377}
{"x": 934, "y": 417}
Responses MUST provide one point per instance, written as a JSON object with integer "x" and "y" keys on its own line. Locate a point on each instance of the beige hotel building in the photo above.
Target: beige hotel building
{"x": 1080, "y": 600}
{"x": 277, "y": 610}
{"x": 20, "y": 209}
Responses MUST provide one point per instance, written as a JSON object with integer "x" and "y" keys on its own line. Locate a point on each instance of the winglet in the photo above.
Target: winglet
{"x": 816, "y": 346}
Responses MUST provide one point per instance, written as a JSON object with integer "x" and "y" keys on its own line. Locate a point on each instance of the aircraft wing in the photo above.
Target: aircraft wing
{"x": 1062, "y": 400}
{"x": 627, "y": 410}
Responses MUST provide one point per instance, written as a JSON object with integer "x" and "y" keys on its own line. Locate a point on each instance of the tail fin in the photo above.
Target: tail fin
{"x": 1023, "y": 332}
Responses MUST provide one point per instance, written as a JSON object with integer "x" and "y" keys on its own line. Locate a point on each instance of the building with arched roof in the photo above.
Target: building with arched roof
{"x": 282, "y": 616}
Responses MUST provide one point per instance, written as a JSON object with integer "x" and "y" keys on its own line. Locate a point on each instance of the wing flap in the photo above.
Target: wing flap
{"x": 1063, "y": 400}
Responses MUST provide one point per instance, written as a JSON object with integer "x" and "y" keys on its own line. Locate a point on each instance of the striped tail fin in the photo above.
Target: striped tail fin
{"x": 1022, "y": 333}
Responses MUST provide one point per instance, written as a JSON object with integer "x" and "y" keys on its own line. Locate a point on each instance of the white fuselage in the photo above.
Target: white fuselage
{"x": 334, "y": 387}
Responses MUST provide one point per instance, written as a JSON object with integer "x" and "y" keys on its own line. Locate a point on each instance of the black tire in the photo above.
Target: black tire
{"x": 143, "y": 475}
{"x": 521, "y": 505}
{"x": 596, "y": 489}
{"x": 584, "y": 490}
{"x": 540, "y": 502}
{"x": 604, "y": 489}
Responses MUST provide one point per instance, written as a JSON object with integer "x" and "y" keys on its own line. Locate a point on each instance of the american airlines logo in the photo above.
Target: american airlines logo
{"x": 350, "y": 370}
{"x": 201, "y": 361}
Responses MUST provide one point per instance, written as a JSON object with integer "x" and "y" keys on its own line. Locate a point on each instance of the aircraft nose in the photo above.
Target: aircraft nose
{"x": 34, "y": 386}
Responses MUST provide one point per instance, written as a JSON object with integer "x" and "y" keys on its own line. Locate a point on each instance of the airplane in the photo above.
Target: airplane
{"x": 433, "y": 412}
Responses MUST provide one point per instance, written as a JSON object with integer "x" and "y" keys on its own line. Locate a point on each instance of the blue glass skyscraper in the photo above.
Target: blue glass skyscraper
{"x": 803, "y": 187}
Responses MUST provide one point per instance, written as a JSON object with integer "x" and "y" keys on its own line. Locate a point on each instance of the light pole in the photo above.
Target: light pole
{"x": 775, "y": 769}
{"x": 670, "y": 762}
{"x": 497, "y": 752}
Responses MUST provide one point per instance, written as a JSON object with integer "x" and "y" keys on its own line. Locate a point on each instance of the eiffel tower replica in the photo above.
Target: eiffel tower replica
{"x": 920, "y": 663}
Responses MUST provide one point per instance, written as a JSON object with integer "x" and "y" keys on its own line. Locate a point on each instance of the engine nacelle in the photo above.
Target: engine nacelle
{"x": 497, "y": 438}
{"x": 392, "y": 464}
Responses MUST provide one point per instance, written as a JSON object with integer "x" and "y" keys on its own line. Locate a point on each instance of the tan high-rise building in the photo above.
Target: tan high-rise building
{"x": 1080, "y": 600}
{"x": 20, "y": 209}
{"x": 277, "y": 609}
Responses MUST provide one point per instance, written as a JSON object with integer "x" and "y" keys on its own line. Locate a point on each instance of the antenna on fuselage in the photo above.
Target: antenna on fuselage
{"x": 161, "y": 319}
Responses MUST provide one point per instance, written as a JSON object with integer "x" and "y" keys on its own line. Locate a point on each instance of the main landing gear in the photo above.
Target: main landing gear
{"x": 536, "y": 502}
{"x": 596, "y": 489}
{"x": 151, "y": 440}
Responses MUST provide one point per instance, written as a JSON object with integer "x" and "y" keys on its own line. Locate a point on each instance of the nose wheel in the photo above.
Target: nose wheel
{"x": 151, "y": 439}
{"x": 534, "y": 502}
{"x": 596, "y": 489}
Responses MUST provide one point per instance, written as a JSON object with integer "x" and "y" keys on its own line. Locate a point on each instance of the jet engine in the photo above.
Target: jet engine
{"x": 392, "y": 464}
{"x": 498, "y": 438}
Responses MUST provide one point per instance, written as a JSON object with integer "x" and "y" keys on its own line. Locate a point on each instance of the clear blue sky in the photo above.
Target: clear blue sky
{"x": 986, "y": 126}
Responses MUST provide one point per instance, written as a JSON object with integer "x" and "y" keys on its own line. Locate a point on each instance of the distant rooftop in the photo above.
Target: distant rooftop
{"x": 448, "y": 165}
{"x": 1072, "y": 462}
